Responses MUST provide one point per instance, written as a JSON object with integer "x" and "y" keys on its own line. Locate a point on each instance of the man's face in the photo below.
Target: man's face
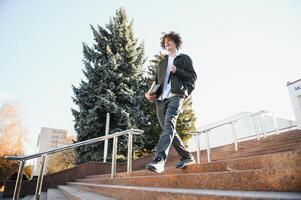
{"x": 170, "y": 45}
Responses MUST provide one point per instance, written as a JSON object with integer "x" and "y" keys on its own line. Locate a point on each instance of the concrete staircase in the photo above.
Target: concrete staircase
{"x": 68, "y": 192}
{"x": 265, "y": 169}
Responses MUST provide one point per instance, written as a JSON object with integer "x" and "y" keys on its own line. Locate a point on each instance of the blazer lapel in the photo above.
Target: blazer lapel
{"x": 175, "y": 61}
{"x": 165, "y": 62}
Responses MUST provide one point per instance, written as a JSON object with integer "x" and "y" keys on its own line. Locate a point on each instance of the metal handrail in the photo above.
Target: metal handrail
{"x": 267, "y": 133}
{"x": 23, "y": 159}
{"x": 234, "y": 120}
{"x": 71, "y": 146}
{"x": 196, "y": 133}
{"x": 212, "y": 127}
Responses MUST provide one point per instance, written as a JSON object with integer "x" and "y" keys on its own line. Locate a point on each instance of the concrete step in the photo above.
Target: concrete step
{"x": 149, "y": 193}
{"x": 171, "y": 161}
{"x": 283, "y": 141}
{"x": 55, "y": 194}
{"x": 31, "y": 197}
{"x": 74, "y": 193}
{"x": 228, "y": 151}
{"x": 243, "y": 153}
{"x": 28, "y": 197}
{"x": 257, "y": 151}
{"x": 277, "y": 179}
{"x": 261, "y": 143}
{"x": 282, "y": 138}
{"x": 289, "y": 159}
{"x": 216, "y": 166}
{"x": 256, "y": 145}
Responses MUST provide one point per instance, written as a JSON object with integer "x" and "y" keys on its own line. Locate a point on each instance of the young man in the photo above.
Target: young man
{"x": 176, "y": 77}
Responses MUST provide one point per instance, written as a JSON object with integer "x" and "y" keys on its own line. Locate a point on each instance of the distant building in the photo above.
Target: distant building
{"x": 294, "y": 89}
{"x": 49, "y": 138}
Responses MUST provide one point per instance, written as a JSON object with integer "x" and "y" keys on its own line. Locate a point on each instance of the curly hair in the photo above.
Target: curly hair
{"x": 173, "y": 36}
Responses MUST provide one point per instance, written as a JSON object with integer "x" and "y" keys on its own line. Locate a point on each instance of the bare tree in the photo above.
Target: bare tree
{"x": 62, "y": 160}
{"x": 12, "y": 138}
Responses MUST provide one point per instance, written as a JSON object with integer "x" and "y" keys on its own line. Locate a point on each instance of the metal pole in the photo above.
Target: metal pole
{"x": 262, "y": 125}
{"x": 197, "y": 140}
{"x": 234, "y": 136}
{"x": 114, "y": 153}
{"x": 40, "y": 178}
{"x": 208, "y": 146}
{"x": 255, "y": 127}
{"x": 275, "y": 123}
{"x": 19, "y": 180}
{"x": 130, "y": 151}
{"x": 105, "y": 151}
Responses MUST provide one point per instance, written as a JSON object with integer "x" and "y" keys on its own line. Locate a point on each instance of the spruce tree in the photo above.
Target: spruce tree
{"x": 112, "y": 68}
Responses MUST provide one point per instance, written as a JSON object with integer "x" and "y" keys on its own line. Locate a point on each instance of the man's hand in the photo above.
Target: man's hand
{"x": 171, "y": 68}
{"x": 150, "y": 97}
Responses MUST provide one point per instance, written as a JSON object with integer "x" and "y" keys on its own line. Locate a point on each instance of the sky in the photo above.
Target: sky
{"x": 244, "y": 53}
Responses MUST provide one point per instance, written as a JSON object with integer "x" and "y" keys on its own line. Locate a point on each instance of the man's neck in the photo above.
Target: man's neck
{"x": 172, "y": 52}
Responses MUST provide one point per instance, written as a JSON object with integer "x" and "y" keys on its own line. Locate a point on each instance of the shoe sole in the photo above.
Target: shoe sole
{"x": 185, "y": 165}
{"x": 152, "y": 169}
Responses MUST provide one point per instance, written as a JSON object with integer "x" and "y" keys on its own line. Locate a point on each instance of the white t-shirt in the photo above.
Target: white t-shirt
{"x": 166, "y": 86}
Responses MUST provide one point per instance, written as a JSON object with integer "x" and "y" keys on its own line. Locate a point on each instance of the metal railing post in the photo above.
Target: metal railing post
{"x": 234, "y": 136}
{"x": 255, "y": 127}
{"x": 198, "y": 147}
{"x": 130, "y": 151}
{"x": 40, "y": 178}
{"x": 262, "y": 125}
{"x": 208, "y": 146}
{"x": 114, "y": 155}
{"x": 196, "y": 134}
{"x": 19, "y": 180}
{"x": 105, "y": 151}
{"x": 275, "y": 123}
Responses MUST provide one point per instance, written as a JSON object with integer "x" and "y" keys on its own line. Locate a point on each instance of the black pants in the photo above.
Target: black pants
{"x": 168, "y": 111}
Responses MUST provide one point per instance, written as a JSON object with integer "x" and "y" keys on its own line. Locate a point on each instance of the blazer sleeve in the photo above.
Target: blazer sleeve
{"x": 188, "y": 73}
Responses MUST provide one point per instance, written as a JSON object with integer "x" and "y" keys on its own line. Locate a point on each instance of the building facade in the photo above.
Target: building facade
{"x": 49, "y": 138}
{"x": 294, "y": 89}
